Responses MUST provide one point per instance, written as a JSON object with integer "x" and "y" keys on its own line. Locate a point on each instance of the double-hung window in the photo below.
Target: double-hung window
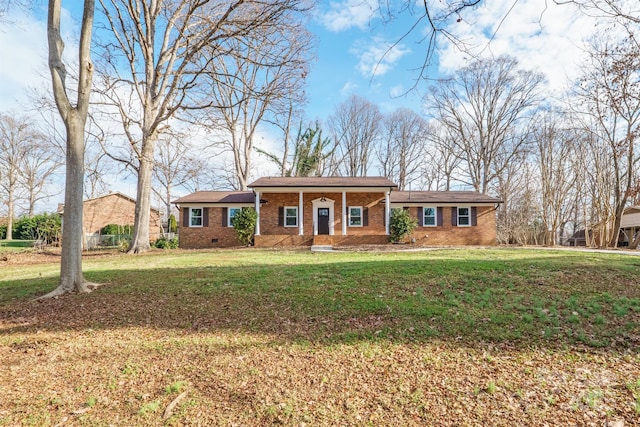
{"x": 195, "y": 217}
{"x": 232, "y": 212}
{"x": 430, "y": 216}
{"x": 291, "y": 216}
{"x": 355, "y": 216}
{"x": 464, "y": 217}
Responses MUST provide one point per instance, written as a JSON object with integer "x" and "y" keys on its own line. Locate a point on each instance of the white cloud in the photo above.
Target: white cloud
{"x": 378, "y": 57}
{"x": 347, "y": 14}
{"x": 23, "y": 51}
{"x": 397, "y": 91}
{"x": 348, "y": 88}
{"x": 542, "y": 39}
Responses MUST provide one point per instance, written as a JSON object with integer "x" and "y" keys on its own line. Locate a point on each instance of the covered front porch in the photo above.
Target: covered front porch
{"x": 332, "y": 211}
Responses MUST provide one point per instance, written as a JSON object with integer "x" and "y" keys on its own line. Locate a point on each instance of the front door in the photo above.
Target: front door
{"x": 323, "y": 220}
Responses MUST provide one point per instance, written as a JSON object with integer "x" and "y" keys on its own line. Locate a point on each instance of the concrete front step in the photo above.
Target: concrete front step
{"x": 321, "y": 248}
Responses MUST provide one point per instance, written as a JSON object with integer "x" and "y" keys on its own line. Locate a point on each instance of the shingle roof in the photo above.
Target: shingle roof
{"x": 441, "y": 197}
{"x": 324, "y": 181}
{"x": 222, "y": 197}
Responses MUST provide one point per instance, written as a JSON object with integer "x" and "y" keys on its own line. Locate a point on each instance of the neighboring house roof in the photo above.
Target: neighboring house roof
{"x": 325, "y": 181}
{"x": 467, "y": 197}
{"x": 218, "y": 197}
{"x": 60, "y": 208}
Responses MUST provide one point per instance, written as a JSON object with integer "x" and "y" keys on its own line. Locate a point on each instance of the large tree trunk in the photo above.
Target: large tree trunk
{"x": 71, "y": 277}
{"x": 74, "y": 117}
{"x": 140, "y": 239}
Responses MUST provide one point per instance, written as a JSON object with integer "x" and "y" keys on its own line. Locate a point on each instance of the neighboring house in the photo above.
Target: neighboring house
{"x": 113, "y": 208}
{"x": 335, "y": 211}
{"x": 629, "y": 226}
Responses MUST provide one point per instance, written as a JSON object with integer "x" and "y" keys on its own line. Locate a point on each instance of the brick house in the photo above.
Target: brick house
{"x": 335, "y": 211}
{"x": 113, "y": 208}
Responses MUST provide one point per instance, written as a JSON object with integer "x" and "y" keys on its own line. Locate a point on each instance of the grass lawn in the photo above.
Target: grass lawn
{"x": 255, "y": 337}
{"x": 15, "y": 245}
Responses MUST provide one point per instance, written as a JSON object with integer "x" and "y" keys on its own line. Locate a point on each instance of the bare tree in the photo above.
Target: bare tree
{"x": 355, "y": 127}
{"x": 485, "y": 107}
{"x": 616, "y": 9}
{"x": 400, "y": 153}
{"x": 16, "y": 136}
{"x": 554, "y": 151}
{"x": 610, "y": 99}
{"x": 177, "y": 164}
{"x": 152, "y": 68}
{"x": 261, "y": 75}
{"x": 442, "y": 160}
{"x": 37, "y": 168}
{"x": 74, "y": 116}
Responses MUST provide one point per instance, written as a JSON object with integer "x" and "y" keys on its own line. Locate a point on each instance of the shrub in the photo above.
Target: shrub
{"x": 43, "y": 227}
{"x": 173, "y": 225}
{"x": 117, "y": 229}
{"x": 164, "y": 243}
{"x": 244, "y": 222}
{"x": 401, "y": 225}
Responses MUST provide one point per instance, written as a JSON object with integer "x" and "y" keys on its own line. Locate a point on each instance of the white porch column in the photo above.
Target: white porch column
{"x": 387, "y": 211}
{"x": 344, "y": 213}
{"x": 258, "y": 213}
{"x": 300, "y": 214}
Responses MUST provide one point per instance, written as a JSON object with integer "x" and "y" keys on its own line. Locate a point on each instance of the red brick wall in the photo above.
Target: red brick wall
{"x": 115, "y": 209}
{"x": 272, "y": 234}
{"x": 482, "y": 234}
{"x": 203, "y": 237}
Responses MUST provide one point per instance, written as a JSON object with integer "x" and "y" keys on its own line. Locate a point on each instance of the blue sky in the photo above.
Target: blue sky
{"x": 351, "y": 38}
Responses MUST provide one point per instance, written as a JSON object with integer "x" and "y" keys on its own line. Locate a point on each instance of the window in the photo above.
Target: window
{"x": 232, "y": 212}
{"x": 195, "y": 217}
{"x": 464, "y": 217}
{"x": 355, "y": 216}
{"x": 290, "y": 216}
{"x": 430, "y": 218}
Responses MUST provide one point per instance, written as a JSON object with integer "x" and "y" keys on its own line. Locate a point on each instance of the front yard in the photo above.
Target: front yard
{"x": 262, "y": 337}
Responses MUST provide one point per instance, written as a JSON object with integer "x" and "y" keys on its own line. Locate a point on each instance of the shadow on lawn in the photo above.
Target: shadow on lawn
{"x": 521, "y": 303}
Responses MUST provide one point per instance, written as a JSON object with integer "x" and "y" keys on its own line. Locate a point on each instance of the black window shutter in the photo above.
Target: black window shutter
{"x": 225, "y": 217}
{"x": 420, "y": 214}
{"x": 281, "y": 216}
{"x": 205, "y": 217}
{"x": 454, "y": 216}
{"x": 474, "y": 216}
{"x": 365, "y": 217}
{"x": 440, "y": 216}
{"x": 384, "y": 218}
{"x": 185, "y": 217}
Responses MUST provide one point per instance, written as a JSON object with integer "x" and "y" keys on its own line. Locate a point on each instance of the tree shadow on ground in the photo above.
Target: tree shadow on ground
{"x": 515, "y": 303}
